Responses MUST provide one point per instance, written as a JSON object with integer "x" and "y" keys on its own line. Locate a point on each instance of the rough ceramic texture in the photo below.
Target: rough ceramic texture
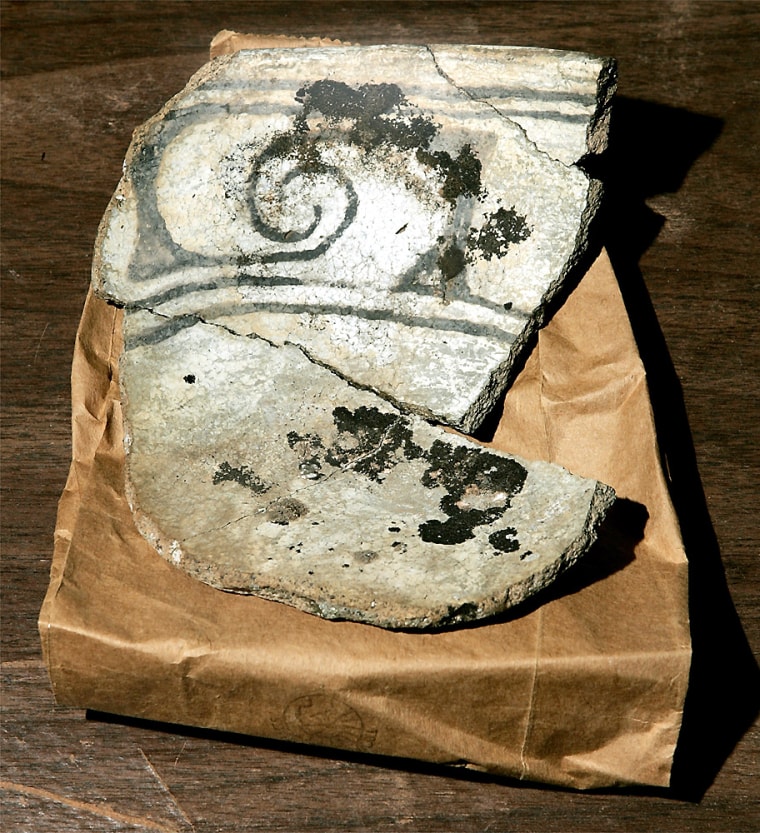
{"x": 315, "y": 248}
{"x": 257, "y": 471}
{"x": 403, "y": 214}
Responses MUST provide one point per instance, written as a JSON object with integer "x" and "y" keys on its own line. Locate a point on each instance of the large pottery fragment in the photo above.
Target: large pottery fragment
{"x": 402, "y": 226}
{"x": 318, "y": 251}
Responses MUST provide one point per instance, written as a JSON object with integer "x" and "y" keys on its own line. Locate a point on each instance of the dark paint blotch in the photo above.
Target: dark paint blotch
{"x": 504, "y": 540}
{"x": 373, "y": 113}
{"x": 243, "y": 475}
{"x": 451, "y": 261}
{"x": 454, "y": 530}
{"x": 461, "y": 175}
{"x": 369, "y": 441}
{"x": 458, "y": 469}
{"x": 501, "y": 229}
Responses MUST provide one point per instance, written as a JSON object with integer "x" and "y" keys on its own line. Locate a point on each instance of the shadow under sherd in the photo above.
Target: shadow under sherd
{"x": 652, "y": 148}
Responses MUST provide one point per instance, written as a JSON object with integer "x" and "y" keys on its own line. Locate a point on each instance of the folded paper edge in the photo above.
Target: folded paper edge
{"x": 84, "y": 444}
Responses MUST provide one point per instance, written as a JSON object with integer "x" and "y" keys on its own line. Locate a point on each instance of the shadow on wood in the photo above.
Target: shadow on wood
{"x": 652, "y": 148}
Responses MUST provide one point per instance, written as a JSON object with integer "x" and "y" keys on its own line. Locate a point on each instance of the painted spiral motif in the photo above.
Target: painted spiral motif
{"x": 270, "y": 206}
{"x": 340, "y": 128}
{"x": 357, "y": 191}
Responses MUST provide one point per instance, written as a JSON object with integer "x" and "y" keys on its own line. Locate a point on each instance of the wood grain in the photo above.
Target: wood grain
{"x": 683, "y": 231}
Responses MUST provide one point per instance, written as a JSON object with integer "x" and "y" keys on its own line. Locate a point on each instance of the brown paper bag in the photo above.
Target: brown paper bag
{"x": 583, "y": 686}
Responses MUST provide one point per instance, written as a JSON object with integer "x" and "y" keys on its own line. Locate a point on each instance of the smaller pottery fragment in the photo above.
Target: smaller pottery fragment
{"x": 258, "y": 472}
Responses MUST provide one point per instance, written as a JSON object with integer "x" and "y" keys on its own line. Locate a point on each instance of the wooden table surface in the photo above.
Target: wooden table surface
{"x": 683, "y": 230}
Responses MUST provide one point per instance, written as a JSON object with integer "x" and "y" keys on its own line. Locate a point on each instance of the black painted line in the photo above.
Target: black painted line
{"x": 585, "y": 99}
{"x": 241, "y": 279}
{"x": 159, "y": 334}
{"x": 544, "y": 115}
{"x": 222, "y": 310}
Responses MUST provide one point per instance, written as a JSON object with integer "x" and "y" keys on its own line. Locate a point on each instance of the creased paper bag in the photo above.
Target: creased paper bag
{"x": 583, "y": 686}
{"x": 584, "y": 689}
